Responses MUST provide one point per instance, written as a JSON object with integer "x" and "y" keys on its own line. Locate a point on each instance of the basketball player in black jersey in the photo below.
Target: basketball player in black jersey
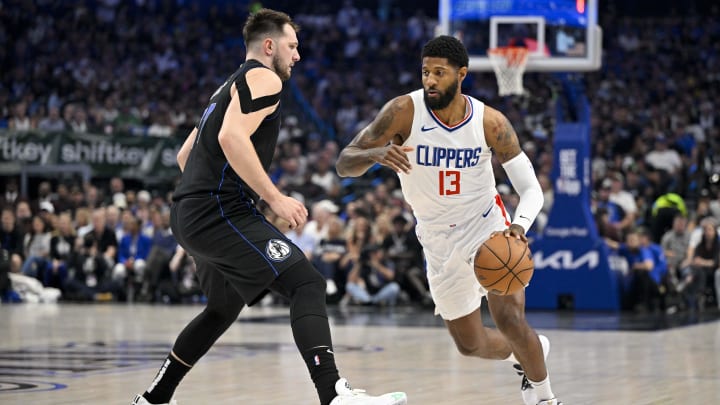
{"x": 239, "y": 255}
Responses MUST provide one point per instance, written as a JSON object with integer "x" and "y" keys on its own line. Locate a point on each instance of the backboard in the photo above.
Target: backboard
{"x": 561, "y": 35}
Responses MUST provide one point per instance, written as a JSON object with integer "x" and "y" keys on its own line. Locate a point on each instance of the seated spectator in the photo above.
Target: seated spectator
{"x": 643, "y": 288}
{"x": 180, "y": 283}
{"x": 62, "y": 245}
{"x": 405, "y": 252}
{"x": 675, "y": 245}
{"x": 613, "y": 223}
{"x": 132, "y": 254}
{"x": 53, "y": 122}
{"x": 163, "y": 248}
{"x": 36, "y": 247}
{"x": 328, "y": 254}
{"x": 11, "y": 239}
{"x": 659, "y": 272}
{"x": 700, "y": 267}
{"x": 371, "y": 279}
{"x": 90, "y": 275}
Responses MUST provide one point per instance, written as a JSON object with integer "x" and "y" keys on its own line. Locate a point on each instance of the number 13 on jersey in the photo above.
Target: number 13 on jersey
{"x": 449, "y": 182}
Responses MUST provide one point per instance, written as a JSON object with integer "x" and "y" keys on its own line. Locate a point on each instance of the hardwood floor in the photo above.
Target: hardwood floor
{"x": 104, "y": 354}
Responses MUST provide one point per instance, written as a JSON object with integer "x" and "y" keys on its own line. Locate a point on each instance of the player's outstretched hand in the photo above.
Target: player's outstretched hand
{"x": 394, "y": 156}
{"x": 289, "y": 209}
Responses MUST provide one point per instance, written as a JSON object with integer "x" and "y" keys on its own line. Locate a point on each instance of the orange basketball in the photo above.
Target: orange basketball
{"x": 503, "y": 265}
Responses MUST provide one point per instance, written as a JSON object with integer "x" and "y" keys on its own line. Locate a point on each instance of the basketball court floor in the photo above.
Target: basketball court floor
{"x": 104, "y": 354}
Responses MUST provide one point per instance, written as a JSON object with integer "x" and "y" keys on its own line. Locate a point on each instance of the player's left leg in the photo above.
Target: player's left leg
{"x": 223, "y": 307}
{"x": 305, "y": 288}
{"x": 508, "y": 312}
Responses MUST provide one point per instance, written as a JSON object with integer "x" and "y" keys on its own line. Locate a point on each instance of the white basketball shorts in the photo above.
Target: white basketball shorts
{"x": 449, "y": 253}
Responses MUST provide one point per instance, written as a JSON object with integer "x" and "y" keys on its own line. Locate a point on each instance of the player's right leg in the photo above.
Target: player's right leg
{"x": 223, "y": 306}
{"x": 508, "y": 312}
{"x": 472, "y": 338}
{"x": 305, "y": 288}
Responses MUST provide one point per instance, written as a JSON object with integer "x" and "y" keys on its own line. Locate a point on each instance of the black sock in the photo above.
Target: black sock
{"x": 167, "y": 379}
{"x": 321, "y": 364}
{"x": 312, "y": 336}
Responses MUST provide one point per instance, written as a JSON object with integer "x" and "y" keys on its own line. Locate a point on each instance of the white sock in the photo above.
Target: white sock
{"x": 511, "y": 358}
{"x": 542, "y": 389}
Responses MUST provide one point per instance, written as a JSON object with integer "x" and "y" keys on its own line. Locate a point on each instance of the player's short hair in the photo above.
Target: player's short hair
{"x": 447, "y": 47}
{"x": 266, "y": 23}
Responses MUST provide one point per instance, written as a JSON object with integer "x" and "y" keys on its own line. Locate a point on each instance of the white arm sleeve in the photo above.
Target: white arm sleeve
{"x": 522, "y": 175}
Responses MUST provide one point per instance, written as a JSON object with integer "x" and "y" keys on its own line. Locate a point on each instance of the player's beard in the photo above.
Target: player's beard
{"x": 280, "y": 69}
{"x": 444, "y": 98}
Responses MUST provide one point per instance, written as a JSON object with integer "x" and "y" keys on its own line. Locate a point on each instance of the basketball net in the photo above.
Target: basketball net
{"x": 509, "y": 65}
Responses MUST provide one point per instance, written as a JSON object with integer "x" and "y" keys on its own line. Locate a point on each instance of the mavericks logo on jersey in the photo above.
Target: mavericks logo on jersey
{"x": 447, "y": 157}
{"x": 277, "y": 250}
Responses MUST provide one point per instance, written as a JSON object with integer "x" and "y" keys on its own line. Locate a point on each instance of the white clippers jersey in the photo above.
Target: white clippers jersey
{"x": 451, "y": 177}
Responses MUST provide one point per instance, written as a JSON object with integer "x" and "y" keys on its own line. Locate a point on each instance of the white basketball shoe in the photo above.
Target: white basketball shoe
{"x": 349, "y": 396}
{"x": 553, "y": 401}
{"x": 140, "y": 400}
{"x": 526, "y": 389}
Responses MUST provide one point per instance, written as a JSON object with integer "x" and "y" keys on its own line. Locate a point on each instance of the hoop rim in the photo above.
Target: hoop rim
{"x": 514, "y": 55}
{"x": 502, "y": 50}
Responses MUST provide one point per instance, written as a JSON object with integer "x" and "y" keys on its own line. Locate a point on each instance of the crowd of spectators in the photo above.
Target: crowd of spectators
{"x": 145, "y": 67}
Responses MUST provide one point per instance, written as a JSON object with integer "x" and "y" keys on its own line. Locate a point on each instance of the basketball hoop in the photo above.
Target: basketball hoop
{"x": 509, "y": 65}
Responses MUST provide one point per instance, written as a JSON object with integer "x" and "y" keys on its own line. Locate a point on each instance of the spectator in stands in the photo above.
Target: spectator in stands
{"x": 405, "y": 252}
{"x": 11, "y": 239}
{"x": 620, "y": 196}
{"x": 372, "y": 279}
{"x": 90, "y": 276}
{"x": 664, "y": 158}
{"x": 10, "y": 194}
{"x": 20, "y": 121}
{"x": 36, "y": 247}
{"x": 675, "y": 245}
{"x": 302, "y": 239}
{"x": 328, "y": 255}
{"x": 639, "y": 284}
{"x": 359, "y": 236}
{"x": 53, "y": 122}
{"x": 23, "y": 216}
{"x": 654, "y": 293}
{"x": 44, "y": 196}
{"x": 61, "y": 201}
{"x": 101, "y": 241}
{"x": 182, "y": 283}
{"x": 164, "y": 247}
{"x": 133, "y": 252}
{"x": 325, "y": 177}
{"x": 700, "y": 266}
{"x": 62, "y": 246}
{"x": 113, "y": 220}
{"x": 320, "y": 214}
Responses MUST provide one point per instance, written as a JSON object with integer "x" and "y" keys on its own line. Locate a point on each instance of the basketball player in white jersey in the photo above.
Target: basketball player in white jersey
{"x": 439, "y": 141}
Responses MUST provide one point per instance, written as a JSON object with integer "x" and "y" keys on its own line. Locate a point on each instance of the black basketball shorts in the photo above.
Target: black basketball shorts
{"x": 236, "y": 240}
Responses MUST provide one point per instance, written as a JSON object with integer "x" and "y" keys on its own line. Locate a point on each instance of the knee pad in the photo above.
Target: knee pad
{"x": 306, "y": 290}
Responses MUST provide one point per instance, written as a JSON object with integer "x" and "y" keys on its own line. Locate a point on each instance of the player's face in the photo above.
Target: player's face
{"x": 440, "y": 82}
{"x": 287, "y": 53}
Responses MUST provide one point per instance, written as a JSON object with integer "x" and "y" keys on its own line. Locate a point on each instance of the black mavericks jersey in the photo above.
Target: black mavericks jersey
{"x": 207, "y": 171}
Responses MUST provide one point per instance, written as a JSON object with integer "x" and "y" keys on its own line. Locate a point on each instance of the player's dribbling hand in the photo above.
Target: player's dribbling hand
{"x": 514, "y": 231}
{"x": 289, "y": 209}
{"x": 395, "y": 157}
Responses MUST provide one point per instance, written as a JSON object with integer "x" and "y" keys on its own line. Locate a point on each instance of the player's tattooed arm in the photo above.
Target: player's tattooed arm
{"x": 380, "y": 142}
{"x": 500, "y": 135}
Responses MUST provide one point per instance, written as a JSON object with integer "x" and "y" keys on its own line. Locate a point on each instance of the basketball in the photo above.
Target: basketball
{"x": 503, "y": 265}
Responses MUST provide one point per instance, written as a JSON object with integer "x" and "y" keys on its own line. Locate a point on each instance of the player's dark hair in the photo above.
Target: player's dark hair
{"x": 447, "y": 47}
{"x": 266, "y": 23}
